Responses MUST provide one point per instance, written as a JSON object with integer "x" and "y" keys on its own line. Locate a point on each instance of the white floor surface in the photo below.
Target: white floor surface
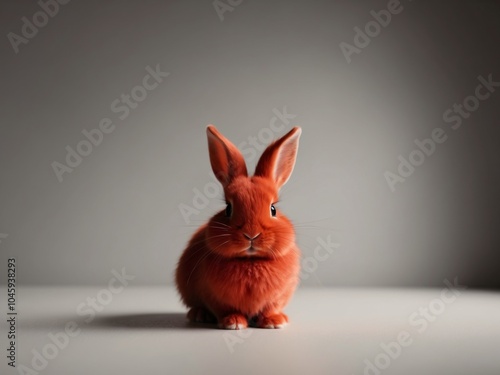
{"x": 332, "y": 331}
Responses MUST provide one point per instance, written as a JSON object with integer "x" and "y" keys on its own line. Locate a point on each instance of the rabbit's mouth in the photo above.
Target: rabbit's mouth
{"x": 252, "y": 253}
{"x": 250, "y": 250}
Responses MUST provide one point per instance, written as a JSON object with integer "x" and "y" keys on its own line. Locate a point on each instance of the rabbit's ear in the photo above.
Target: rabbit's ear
{"x": 278, "y": 159}
{"x": 226, "y": 160}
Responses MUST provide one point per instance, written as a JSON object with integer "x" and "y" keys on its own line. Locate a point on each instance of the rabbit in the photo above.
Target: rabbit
{"x": 243, "y": 265}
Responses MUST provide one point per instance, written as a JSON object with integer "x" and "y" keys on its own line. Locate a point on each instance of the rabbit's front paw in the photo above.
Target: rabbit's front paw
{"x": 278, "y": 320}
{"x": 233, "y": 321}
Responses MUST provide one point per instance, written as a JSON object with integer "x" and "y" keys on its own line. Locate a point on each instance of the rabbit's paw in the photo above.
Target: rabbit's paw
{"x": 278, "y": 320}
{"x": 233, "y": 321}
{"x": 200, "y": 315}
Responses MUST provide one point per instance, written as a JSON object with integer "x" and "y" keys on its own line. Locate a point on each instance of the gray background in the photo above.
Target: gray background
{"x": 120, "y": 207}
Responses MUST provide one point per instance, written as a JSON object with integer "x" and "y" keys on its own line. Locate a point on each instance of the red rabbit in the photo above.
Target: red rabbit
{"x": 243, "y": 264}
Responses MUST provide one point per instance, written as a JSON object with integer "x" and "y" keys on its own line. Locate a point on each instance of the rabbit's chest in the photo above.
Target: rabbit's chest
{"x": 249, "y": 280}
{"x": 252, "y": 275}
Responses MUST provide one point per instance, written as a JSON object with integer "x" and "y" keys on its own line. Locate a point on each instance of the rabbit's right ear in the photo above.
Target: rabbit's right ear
{"x": 278, "y": 159}
{"x": 226, "y": 160}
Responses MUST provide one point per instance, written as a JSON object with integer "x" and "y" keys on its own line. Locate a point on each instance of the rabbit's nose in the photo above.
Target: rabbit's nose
{"x": 251, "y": 238}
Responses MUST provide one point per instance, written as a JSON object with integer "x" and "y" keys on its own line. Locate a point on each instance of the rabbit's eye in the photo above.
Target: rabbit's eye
{"x": 229, "y": 209}
{"x": 273, "y": 210}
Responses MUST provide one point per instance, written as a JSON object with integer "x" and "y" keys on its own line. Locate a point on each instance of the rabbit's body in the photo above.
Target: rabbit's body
{"x": 244, "y": 263}
{"x": 247, "y": 285}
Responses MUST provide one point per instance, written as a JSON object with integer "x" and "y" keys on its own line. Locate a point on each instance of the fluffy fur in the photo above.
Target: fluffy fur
{"x": 244, "y": 266}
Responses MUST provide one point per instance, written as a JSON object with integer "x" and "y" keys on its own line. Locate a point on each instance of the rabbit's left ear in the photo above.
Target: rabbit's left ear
{"x": 226, "y": 160}
{"x": 278, "y": 159}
